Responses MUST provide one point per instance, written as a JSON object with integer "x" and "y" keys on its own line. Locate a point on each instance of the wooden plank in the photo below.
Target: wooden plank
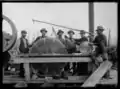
{"x": 97, "y": 75}
{"x": 80, "y": 80}
{"x": 27, "y": 71}
{"x": 49, "y": 60}
{"x": 43, "y": 80}
{"x": 54, "y": 55}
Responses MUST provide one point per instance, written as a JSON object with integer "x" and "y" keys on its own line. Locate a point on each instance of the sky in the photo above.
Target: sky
{"x": 74, "y": 15}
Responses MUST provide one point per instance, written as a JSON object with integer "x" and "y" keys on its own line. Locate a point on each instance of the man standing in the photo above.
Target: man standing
{"x": 22, "y": 47}
{"x": 81, "y": 67}
{"x": 60, "y": 33}
{"x": 71, "y": 47}
{"x": 70, "y": 42}
{"x": 82, "y": 39}
{"x": 39, "y": 68}
{"x": 43, "y": 32}
{"x": 101, "y": 42}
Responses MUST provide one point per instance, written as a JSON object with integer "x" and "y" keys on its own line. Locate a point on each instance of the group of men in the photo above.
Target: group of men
{"x": 100, "y": 41}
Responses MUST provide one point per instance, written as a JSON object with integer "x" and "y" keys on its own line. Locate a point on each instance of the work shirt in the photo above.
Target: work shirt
{"x": 39, "y": 37}
{"x": 78, "y": 41}
{"x": 101, "y": 43}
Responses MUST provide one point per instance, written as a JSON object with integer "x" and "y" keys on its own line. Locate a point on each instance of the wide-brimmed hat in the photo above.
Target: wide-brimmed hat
{"x": 60, "y": 31}
{"x": 100, "y": 28}
{"x": 82, "y": 32}
{"x": 23, "y": 31}
{"x": 43, "y": 29}
{"x": 71, "y": 32}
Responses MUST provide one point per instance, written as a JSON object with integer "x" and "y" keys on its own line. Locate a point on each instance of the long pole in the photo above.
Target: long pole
{"x": 109, "y": 38}
{"x": 91, "y": 18}
{"x": 59, "y": 26}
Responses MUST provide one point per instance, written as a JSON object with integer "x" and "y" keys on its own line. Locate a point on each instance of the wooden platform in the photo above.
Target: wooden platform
{"x": 47, "y": 58}
{"x": 15, "y": 79}
{"x": 54, "y": 58}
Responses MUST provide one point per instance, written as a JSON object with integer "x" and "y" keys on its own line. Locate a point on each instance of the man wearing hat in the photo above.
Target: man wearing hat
{"x": 22, "y": 47}
{"x": 82, "y": 39}
{"x": 81, "y": 65}
{"x": 101, "y": 42}
{"x": 43, "y": 32}
{"x": 60, "y": 33}
{"x": 71, "y": 47}
{"x": 70, "y": 42}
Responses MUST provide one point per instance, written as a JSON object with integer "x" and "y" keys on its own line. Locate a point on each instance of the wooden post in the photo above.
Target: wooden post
{"x": 27, "y": 71}
{"x": 91, "y": 27}
{"x": 91, "y": 18}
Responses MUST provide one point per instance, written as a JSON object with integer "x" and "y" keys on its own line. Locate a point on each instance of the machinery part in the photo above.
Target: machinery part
{"x": 61, "y": 26}
{"x": 48, "y": 46}
{"x": 85, "y": 47}
{"x": 13, "y": 38}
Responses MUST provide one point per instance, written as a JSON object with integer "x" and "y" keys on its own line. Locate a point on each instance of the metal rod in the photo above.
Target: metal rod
{"x": 59, "y": 25}
{"x": 109, "y": 36}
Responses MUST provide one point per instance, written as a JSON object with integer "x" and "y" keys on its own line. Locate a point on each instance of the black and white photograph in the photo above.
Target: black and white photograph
{"x": 59, "y": 44}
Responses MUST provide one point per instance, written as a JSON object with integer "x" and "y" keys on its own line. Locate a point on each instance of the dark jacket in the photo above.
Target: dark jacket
{"x": 22, "y": 47}
{"x": 101, "y": 43}
{"x": 39, "y": 37}
{"x": 78, "y": 41}
{"x": 70, "y": 44}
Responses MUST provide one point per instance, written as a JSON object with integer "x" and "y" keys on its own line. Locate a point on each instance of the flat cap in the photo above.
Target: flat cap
{"x": 82, "y": 32}
{"x": 60, "y": 31}
{"x": 43, "y": 29}
{"x": 71, "y": 32}
{"x": 23, "y": 31}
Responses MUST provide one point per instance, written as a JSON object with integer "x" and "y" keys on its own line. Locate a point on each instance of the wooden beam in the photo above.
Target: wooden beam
{"x": 27, "y": 71}
{"x": 81, "y": 79}
{"x": 49, "y": 60}
{"x": 11, "y": 80}
{"x": 97, "y": 75}
{"x": 54, "y": 55}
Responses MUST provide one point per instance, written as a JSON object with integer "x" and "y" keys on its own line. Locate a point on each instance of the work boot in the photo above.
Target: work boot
{"x": 21, "y": 74}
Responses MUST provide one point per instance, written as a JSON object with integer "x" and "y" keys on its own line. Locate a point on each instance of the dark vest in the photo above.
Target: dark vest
{"x": 72, "y": 48}
{"x": 39, "y": 37}
{"x": 22, "y": 47}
